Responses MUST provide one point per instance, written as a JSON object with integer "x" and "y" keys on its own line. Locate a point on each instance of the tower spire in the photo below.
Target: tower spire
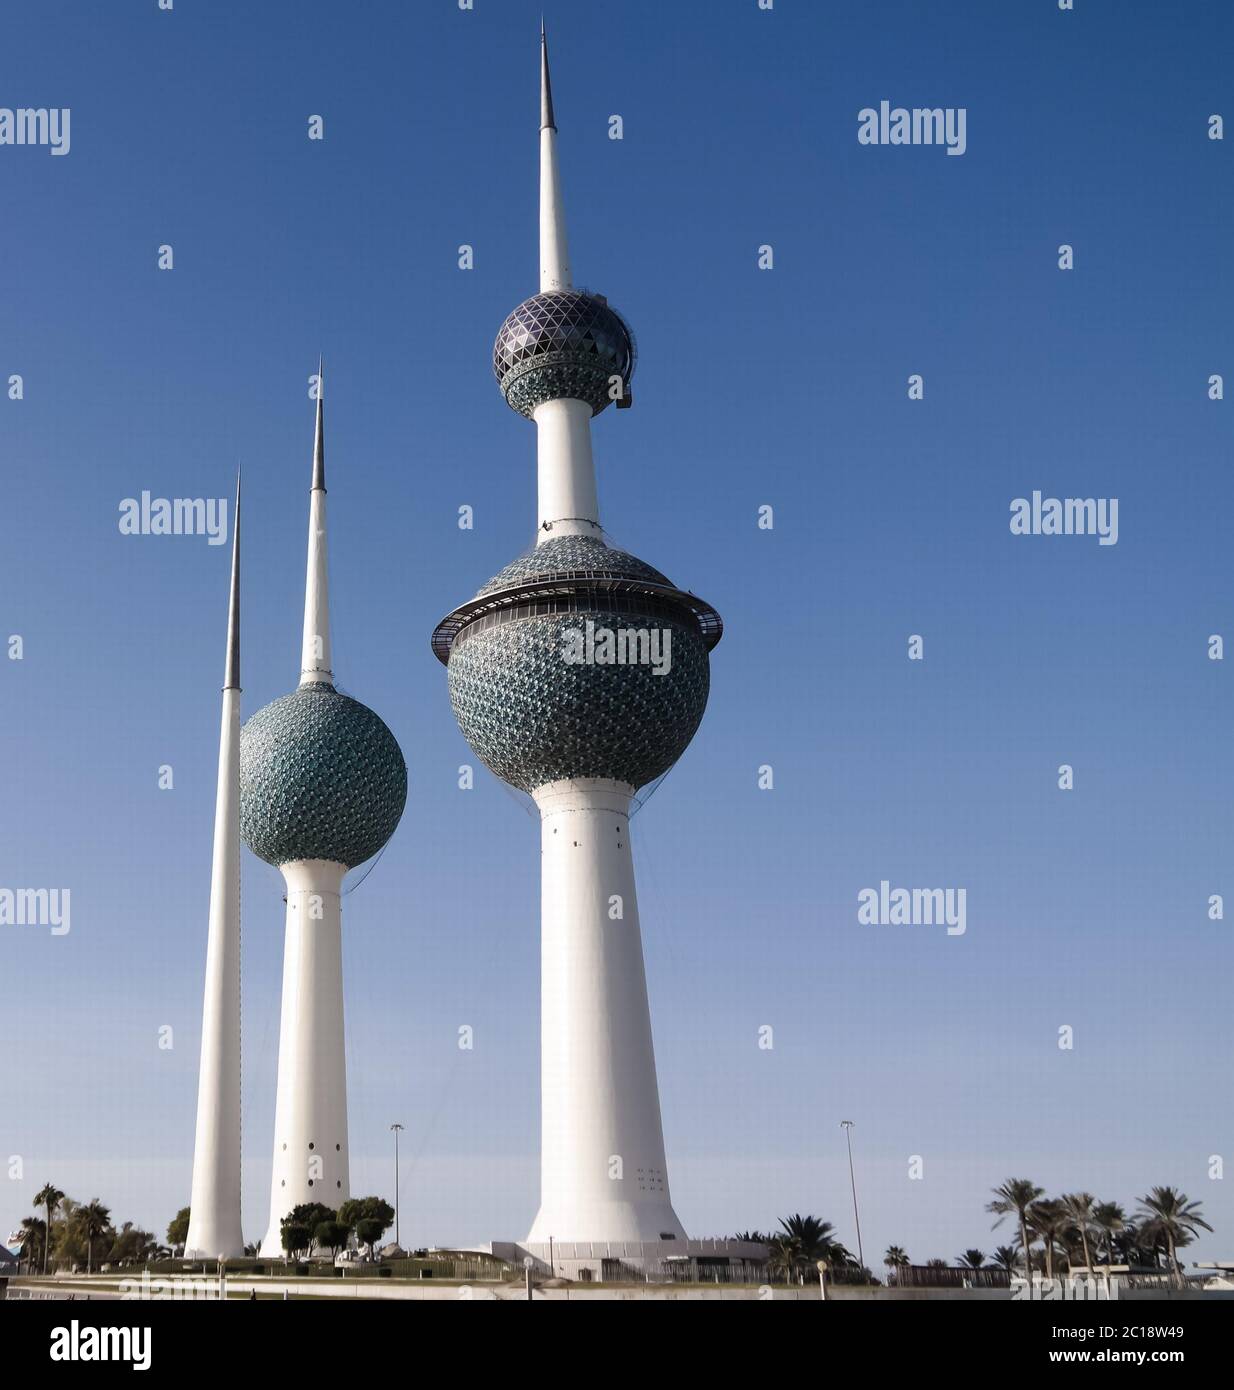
{"x": 231, "y": 678}
{"x": 315, "y": 657}
{"x": 214, "y": 1224}
{"x": 554, "y": 251}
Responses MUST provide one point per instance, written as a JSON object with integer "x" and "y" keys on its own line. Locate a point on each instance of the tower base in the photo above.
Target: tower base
{"x": 647, "y": 1261}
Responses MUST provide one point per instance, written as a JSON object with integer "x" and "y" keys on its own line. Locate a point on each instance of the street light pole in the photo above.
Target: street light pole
{"x": 847, "y": 1127}
{"x": 396, "y": 1128}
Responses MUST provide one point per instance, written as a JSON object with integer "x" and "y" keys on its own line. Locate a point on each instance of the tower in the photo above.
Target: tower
{"x": 214, "y": 1221}
{"x": 322, "y": 787}
{"x": 579, "y": 674}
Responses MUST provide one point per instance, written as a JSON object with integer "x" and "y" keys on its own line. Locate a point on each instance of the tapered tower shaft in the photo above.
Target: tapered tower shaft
{"x": 214, "y": 1221}
{"x": 316, "y": 658}
{"x": 603, "y": 1175}
{"x": 554, "y": 250}
{"x": 311, "y": 1161}
{"x": 567, "y": 503}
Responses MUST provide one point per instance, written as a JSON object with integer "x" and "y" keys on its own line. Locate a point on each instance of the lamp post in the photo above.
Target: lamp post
{"x": 396, "y": 1128}
{"x": 847, "y": 1127}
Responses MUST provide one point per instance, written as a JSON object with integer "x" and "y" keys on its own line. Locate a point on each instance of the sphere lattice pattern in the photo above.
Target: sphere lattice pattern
{"x": 573, "y": 553}
{"x": 563, "y": 344}
{"x": 533, "y": 717}
{"x": 321, "y": 777}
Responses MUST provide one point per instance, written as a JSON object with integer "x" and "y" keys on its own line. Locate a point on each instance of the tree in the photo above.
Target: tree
{"x": 305, "y": 1218}
{"x": 369, "y": 1210}
{"x": 972, "y": 1259}
{"x": 936, "y": 1264}
{"x": 1048, "y": 1220}
{"x": 1170, "y": 1216}
{"x": 895, "y": 1258}
{"x": 133, "y": 1246}
{"x": 93, "y": 1220}
{"x": 1110, "y": 1220}
{"x": 1078, "y": 1208}
{"x": 816, "y": 1239}
{"x": 1005, "y": 1257}
{"x": 332, "y": 1236}
{"x": 785, "y": 1256}
{"x": 49, "y": 1197}
{"x": 34, "y": 1241}
{"x": 178, "y": 1230}
{"x": 368, "y": 1232}
{"x": 295, "y": 1238}
{"x": 1017, "y": 1195}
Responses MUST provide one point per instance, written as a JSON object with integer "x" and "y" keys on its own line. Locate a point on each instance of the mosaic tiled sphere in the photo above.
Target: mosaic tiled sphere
{"x": 534, "y": 717}
{"x": 562, "y": 344}
{"x": 570, "y": 554}
{"x": 321, "y": 777}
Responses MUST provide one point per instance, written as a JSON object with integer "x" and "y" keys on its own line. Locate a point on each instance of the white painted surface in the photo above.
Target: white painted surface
{"x": 554, "y": 252}
{"x": 310, "y": 1120}
{"x": 315, "y": 658}
{"x": 602, "y": 1165}
{"x": 214, "y": 1224}
{"x": 566, "y": 502}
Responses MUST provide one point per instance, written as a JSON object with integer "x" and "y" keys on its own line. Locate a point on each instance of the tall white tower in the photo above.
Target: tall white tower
{"x": 580, "y": 728}
{"x": 214, "y": 1220}
{"x": 323, "y": 784}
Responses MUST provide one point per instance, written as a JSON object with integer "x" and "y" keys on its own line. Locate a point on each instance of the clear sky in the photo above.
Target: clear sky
{"x": 1086, "y": 909}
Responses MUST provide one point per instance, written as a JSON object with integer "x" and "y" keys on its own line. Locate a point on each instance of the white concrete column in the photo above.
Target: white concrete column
{"x": 214, "y": 1222}
{"x": 315, "y": 659}
{"x": 554, "y": 251}
{"x": 603, "y": 1172}
{"x": 565, "y": 471}
{"x": 310, "y": 1119}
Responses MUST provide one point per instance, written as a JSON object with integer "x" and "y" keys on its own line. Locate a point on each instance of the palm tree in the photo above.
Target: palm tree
{"x": 1110, "y": 1219}
{"x": 896, "y": 1259}
{"x": 816, "y": 1238}
{"x": 1048, "y": 1220}
{"x": 1005, "y": 1257}
{"x": 93, "y": 1220}
{"x": 49, "y": 1197}
{"x": 1079, "y": 1209}
{"x": 1170, "y": 1215}
{"x": 1132, "y": 1249}
{"x": 972, "y": 1259}
{"x": 785, "y": 1257}
{"x": 33, "y": 1239}
{"x": 1017, "y": 1195}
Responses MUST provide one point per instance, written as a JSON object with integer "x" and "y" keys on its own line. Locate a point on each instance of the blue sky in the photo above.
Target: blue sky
{"x": 1085, "y": 908}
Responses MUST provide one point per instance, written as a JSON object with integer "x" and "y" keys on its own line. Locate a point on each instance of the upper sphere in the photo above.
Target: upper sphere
{"x": 321, "y": 777}
{"x": 562, "y": 344}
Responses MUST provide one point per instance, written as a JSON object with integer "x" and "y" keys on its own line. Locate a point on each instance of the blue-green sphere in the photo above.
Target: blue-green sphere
{"x": 321, "y": 777}
{"x": 533, "y": 716}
